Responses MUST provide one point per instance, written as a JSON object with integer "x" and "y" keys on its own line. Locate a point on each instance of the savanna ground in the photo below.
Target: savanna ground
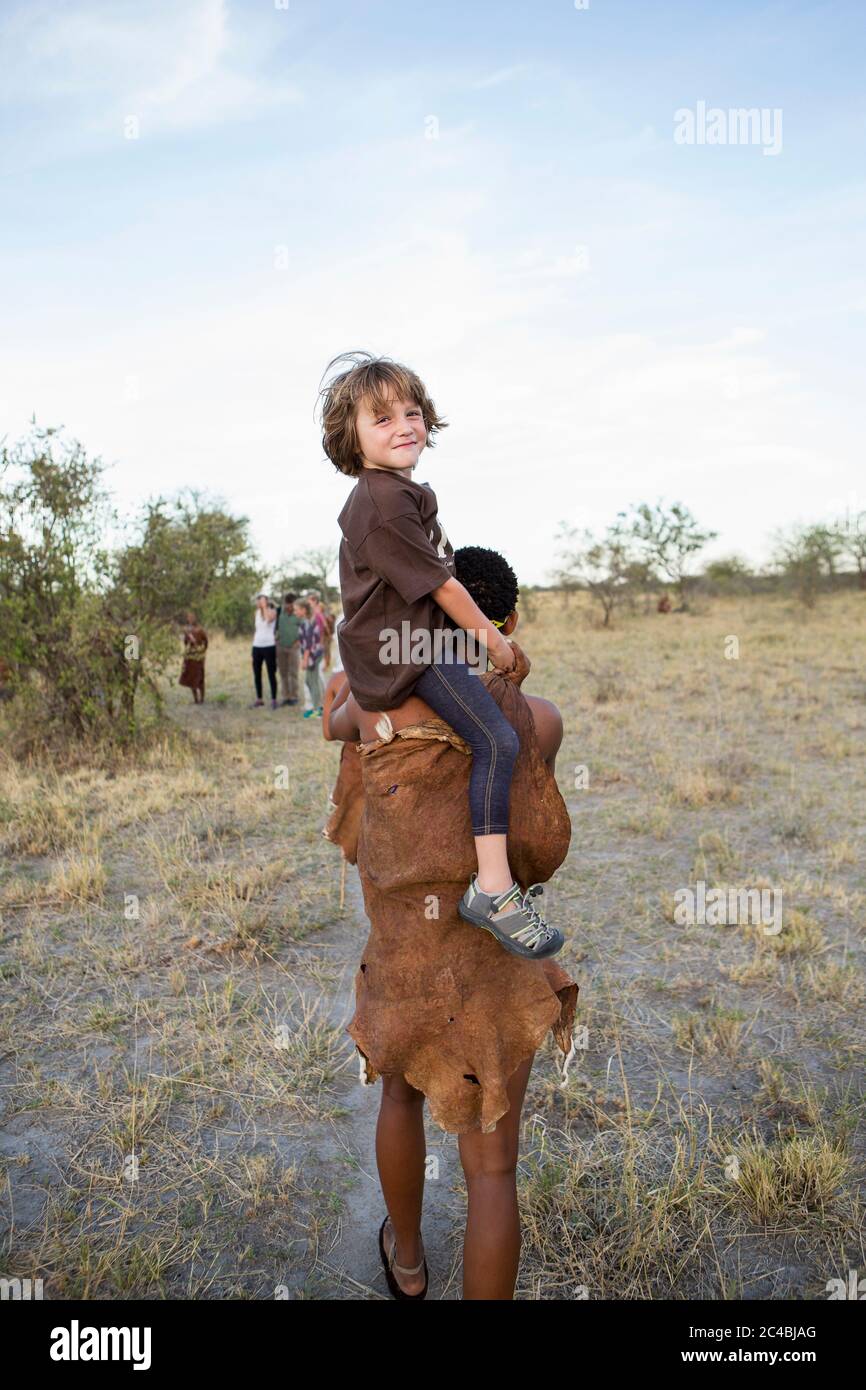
{"x": 182, "y": 1114}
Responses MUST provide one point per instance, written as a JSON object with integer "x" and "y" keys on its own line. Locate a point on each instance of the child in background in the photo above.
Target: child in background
{"x": 311, "y": 657}
{"x": 195, "y": 650}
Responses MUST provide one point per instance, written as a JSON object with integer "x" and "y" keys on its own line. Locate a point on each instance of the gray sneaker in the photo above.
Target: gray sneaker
{"x": 523, "y": 931}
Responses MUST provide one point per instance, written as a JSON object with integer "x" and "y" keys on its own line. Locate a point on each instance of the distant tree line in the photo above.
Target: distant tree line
{"x": 653, "y": 549}
{"x": 90, "y": 609}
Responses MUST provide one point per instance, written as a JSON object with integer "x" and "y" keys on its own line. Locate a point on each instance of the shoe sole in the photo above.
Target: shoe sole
{"x": 515, "y": 947}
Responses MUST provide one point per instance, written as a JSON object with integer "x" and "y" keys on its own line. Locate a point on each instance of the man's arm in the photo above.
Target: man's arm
{"x": 399, "y": 551}
{"x": 548, "y": 728}
{"x": 339, "y": 719}
{"x": 458, "y": 603}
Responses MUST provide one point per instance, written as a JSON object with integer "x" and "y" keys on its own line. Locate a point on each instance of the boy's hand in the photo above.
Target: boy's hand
{"x": 503, "y": 657}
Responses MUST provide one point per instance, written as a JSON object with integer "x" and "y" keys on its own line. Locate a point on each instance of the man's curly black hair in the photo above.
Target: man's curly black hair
{"x": 489, "y": 579}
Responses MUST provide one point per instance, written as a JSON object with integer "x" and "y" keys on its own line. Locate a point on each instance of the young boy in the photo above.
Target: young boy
{"x": 397, "y": 576}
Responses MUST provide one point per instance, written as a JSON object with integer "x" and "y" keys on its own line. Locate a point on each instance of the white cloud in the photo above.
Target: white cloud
{"x": 546, "y": 422}
{"x": 496, "y": 79}
{"x": 173, "y": 66}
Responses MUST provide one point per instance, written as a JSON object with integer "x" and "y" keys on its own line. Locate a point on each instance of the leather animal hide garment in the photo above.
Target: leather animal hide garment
{"x": 437, "y": 999}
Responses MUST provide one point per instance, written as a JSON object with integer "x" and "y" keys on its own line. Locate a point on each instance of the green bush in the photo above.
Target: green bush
{"x": 85, "y": 632}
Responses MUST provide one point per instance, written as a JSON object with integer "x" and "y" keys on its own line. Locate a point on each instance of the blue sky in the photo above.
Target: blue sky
{"x": 491, "y": 193}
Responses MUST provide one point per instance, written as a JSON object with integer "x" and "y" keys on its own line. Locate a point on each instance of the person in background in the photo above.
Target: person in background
{"x": 311, "y": 658}
{"x": 194, "y": 649}
{"x": 6, "y": 691}
{"x": 288, "y": 649}
{"x": 301, "y": 615}
{"x": 307, "y": 598}
{"x": 265, "y": 649}
{"x": 330, "y": 624}
{"x": 319, "y": 620}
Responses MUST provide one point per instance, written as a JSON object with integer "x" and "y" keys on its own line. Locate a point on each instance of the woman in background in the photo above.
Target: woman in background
{"x": 265, "y": 649}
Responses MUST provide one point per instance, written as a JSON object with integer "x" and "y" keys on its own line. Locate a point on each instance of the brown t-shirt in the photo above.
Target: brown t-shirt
{"x": 394, "y": 552}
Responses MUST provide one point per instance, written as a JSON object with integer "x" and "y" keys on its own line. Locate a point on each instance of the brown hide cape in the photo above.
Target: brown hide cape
{"x": 435, "y": 998}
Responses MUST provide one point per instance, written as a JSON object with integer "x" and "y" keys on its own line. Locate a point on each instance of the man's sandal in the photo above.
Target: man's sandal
{"x": 389, "y": 1265}
{"x": 524, "y": 931}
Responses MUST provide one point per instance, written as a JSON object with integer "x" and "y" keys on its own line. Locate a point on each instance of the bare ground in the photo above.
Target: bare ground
{"x": 181, "y": 1109}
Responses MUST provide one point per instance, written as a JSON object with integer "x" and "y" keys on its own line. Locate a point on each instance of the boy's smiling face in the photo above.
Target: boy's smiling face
{"x": 393, "y": 437}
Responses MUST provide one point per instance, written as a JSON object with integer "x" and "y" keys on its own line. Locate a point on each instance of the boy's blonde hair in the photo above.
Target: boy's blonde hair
{"x": 374, "y": 380}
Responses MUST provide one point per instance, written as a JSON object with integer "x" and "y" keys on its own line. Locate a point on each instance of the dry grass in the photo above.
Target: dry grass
{"x": 181, "y": 1113}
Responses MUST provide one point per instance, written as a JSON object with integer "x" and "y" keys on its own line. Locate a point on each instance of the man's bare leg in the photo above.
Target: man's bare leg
{"x": 401, "y": 1150}
{"x": 491, "y": 1247}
